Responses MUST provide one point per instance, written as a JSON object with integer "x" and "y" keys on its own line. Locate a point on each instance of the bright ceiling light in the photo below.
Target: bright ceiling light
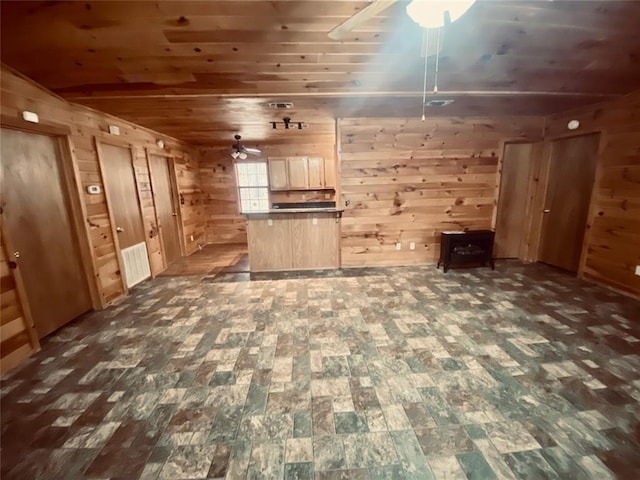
{"x": 242, "y": 156}
{"x": 235, "y": 155}
{"x": 431, "y": 13}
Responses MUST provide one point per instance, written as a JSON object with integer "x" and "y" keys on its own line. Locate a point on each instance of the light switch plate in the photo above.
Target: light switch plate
{"x": 114, "y": 130}
{"x": 412, "y": 246}
{"x": 398, "y": 246}
{"x": 638, "y": 270}
{"x": 30, "y": 117}
{"x": 314, "y": 221}
{"x": 93, "y": 189}
{"x": 269, "y": 222}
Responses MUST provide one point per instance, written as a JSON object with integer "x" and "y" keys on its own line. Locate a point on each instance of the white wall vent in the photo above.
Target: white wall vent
{"x": 439, "y": 103}
{"x": 281, "y": 105}
{"x": 136, "y": 264}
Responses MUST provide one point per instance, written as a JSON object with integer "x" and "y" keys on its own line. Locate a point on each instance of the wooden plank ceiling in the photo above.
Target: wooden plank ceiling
{"x": 203, "y": 71}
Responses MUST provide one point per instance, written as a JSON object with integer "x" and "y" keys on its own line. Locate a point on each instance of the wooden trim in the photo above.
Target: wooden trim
{"x": 112, "y": 224}
{"x": 602, "y": 141}
{"x": 155, "y": 208}
{"x": 113, "y": 140}
{"x": 77, "y": 207}
{"x": 21, "y": 293}
{"x": 496, "y": 196}
{"x": 43, "y": 128}
{"x": 132, "y": 154}
{"x": 46, "y": 128}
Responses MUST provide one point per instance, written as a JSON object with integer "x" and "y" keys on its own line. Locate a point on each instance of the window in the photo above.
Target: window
{"x": 253, "y": 186}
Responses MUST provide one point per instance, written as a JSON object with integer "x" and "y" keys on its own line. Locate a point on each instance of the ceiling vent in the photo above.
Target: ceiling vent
{"x": 281, "y": 105}
{"x": 439, "y": 103}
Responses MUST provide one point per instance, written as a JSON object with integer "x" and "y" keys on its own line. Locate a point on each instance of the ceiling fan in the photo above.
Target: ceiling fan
{"x": 240, "y": 151}
{"x": 426, "y": 13}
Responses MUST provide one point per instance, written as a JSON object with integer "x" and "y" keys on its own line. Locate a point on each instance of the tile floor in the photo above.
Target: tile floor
{"x": 398, "y": 373}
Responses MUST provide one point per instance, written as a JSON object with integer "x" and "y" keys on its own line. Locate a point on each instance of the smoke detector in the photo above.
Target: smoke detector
{"x": 439, "y": 103}
{"x": 281, "y": 105}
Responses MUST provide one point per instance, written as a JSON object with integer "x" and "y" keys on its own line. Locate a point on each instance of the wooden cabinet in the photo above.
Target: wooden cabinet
{"x": 316, "y": 173}
{"x": 278, "y": 174}
{"x": 298, "y": 170}
{"x": 293, "y": 241}
{"x": 302, "y": 173}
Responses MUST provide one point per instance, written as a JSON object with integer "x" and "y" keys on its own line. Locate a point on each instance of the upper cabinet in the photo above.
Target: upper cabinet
{"x": 302, "y": 173}
{"x": 278, "y": 174}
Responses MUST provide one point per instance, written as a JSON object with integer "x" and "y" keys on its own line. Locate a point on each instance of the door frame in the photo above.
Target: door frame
{"x": 99, "y": 141}
{"x": 175, "y": 200}
{"x": 72, "y": 191}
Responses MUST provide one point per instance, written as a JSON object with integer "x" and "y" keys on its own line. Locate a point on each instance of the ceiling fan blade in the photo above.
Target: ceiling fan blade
{"x": 251, "y": 151}
{"x": 370, "y": 11}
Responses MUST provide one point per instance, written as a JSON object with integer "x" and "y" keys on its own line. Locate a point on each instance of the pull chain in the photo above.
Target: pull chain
{"x": 435, "y": 81}
{"x": 426, "y": 60}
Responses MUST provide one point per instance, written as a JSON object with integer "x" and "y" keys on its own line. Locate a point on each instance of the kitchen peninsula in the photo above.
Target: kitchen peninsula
{"x": 294, "y": 239}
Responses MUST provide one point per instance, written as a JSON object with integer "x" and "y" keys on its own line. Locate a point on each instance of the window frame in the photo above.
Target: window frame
{"x": 239, "y": 187}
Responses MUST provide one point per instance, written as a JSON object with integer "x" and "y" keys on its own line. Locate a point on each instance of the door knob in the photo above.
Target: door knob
{"x": 119, "y": 229}
{"x": 16, "y": 254}
{"x": 546, "y": 210}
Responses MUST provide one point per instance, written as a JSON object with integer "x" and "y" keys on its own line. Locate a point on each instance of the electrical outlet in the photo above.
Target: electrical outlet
{"x": 638, "y": 270}
{"x": 412, "y": 246}
{"x": 191, "y": 238}
{"x": 398, "y": 246}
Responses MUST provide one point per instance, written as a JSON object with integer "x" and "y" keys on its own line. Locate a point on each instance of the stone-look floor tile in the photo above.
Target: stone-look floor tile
{"x": 350, "y": 474}
{"x": 444, "y": 441}
{"x": 510, "y": 437}
{"x": 396, "y": 417}
{"x": 188, "y": 462}
{"x": 498, "y": 370}
{"x": 410, "y": 455}
{"x": 323, "y": 422}
{"x": 267, "y": 460}
{"x": 298, "y": 471}
{"x": 299, "y": 450}
{"x": 328, "y": 453}
{"x": 351, "y": 422}
{"x": 475, "y": 466}
{"x": 447, "y": 468}
{"x": 530, "y": 464}
{"x": 369, "y": 450}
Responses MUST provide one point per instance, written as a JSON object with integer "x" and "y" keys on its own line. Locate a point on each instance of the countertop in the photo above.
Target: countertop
{"x": 295, "y": 210}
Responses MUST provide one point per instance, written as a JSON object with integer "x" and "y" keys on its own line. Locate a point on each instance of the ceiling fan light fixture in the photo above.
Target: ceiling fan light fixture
{"x": 242, "y": 156}
{"x": 235, "y": 155}
{"x": 431, "y": 13}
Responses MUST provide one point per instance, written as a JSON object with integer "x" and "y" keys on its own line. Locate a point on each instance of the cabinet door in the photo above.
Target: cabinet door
{"x": 278, "y": 174}
{"x": 316, "y": 172}
{"x": 298, "y": 173}
{"x": 329, "y": 173}
{"x": 315, "y": 241}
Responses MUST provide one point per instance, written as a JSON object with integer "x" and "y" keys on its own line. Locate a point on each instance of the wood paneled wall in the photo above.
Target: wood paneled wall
{"x": 19, "y": 93}
{"x": 407, "y": 181}
{"x": 612, "y": 241}
{"x": 223, "y": 223}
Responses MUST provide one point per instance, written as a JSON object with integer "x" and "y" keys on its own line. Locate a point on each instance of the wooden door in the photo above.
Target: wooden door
{"x": 571, "y": 175}
{"x": 166, "y": 207}
{"x": 278, "y": 174}
{"x": 124, "y": 207}
{"x": 298, "y": 169}
{"x": 512, "y": 203}
{"x": 316, "y": 172}
{"x": 38, "y": 224}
